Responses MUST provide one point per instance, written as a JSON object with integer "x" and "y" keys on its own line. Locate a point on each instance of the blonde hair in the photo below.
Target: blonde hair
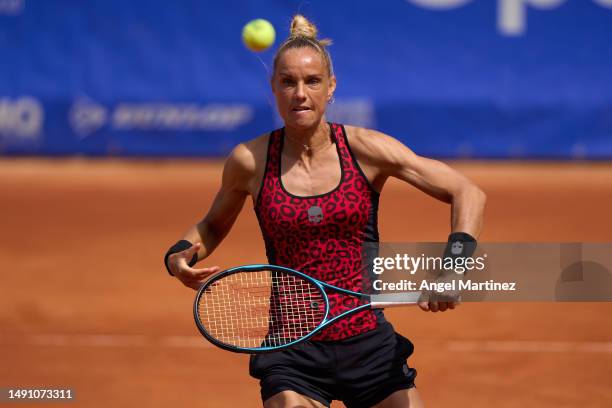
{"x": 303, "y": 33}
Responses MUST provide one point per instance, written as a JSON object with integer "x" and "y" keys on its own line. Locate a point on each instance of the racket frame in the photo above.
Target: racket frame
{"x": 322, "y": 286}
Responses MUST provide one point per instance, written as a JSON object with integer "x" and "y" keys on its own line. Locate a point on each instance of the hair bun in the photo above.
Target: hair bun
{"x": 301, "y": 27}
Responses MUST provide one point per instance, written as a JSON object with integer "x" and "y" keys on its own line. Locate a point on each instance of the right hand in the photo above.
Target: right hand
{"x": 178, "y": 264}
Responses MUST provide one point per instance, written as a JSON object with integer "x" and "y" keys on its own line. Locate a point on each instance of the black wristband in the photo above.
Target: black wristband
{"x": 460, "y": 245}
{"x": 180, "y": 246}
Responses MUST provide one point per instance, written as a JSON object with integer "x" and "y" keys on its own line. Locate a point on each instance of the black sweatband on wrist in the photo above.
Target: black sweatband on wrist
{"x": 180, "y": 246}
{"x": 460, "y": 245}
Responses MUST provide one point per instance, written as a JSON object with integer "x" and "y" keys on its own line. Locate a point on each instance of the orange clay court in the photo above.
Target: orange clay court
{"x": 87, "y": 304}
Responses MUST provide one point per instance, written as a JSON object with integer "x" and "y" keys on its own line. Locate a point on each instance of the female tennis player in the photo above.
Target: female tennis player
{"x": 315, "y": 188}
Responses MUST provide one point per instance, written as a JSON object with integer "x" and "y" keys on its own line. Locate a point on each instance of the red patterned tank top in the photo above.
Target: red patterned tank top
{"x": 322, "y": 235}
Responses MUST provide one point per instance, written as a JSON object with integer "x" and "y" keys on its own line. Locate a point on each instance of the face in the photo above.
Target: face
{"x": 302, "y": 87}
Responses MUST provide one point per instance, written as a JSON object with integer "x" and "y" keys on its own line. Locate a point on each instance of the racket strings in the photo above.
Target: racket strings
{"x": 261, "y": 309}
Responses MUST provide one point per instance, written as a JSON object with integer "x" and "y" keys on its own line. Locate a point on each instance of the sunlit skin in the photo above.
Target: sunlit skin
{"x": 303, "y": 88}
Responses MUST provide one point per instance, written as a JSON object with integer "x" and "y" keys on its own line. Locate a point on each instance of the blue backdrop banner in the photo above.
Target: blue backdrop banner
{"x": 449, "y": 78}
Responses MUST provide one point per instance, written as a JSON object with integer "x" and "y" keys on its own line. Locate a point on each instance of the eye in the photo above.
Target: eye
{"x": 314, "y": 81}
{"x": 287, "y": 81}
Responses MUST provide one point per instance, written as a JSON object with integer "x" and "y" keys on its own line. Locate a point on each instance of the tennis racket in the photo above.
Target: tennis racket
{"x": 263, "y": 308}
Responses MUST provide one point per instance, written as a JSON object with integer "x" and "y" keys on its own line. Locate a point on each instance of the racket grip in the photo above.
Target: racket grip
{"x": 394, "y": 299}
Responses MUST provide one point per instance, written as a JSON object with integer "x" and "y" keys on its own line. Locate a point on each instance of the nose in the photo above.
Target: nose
{"x": 300, "y": 91}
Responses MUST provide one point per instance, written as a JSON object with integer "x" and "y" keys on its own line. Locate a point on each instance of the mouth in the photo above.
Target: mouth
{"x": 300, "y": 109}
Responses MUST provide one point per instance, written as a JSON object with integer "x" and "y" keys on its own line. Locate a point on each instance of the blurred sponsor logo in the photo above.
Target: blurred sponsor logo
{"x": 21, "y": 118}
{"x": 511, "y": 14}
{"x": 12, "y": 7}
{"x": 181, "y": 116}
{"x": 86, "y": 116}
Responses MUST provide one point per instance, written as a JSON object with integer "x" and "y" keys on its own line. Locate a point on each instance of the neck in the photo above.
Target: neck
{"x": 308, "y": 141}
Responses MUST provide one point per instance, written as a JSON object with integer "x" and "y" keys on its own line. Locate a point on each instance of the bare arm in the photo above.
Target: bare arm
{"x": 386, "y": 157}
{"x": 207, "y": 234}
{"x": 441, "y": 181}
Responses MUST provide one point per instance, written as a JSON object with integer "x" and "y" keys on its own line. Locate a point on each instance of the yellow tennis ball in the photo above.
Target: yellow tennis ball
{"x": 258, "y": 35}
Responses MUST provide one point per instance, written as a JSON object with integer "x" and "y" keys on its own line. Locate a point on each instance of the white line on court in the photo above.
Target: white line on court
{"x": 140, "y": 341}
{"x": 104, "y": 340}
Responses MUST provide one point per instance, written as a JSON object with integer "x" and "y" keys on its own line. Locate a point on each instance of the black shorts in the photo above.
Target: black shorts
{"x": 361, "y": 371}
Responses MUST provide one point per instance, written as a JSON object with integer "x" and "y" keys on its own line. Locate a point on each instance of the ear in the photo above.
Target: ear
{"x": 332, "y": 87}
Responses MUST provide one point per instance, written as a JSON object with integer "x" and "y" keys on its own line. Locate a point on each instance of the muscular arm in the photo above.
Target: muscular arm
{"x": 226, "y": 206}
{"x": 384, "y": 156}
{"x": 238, "y": 174}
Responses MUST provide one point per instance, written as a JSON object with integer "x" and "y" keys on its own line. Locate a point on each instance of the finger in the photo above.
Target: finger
{"x": 194, "y": 278}
{"x": 433, "y": 306}
{"x": 204, "y": 271}
{"x": 424, "y": 306}
{"x": 193, "y": 284}
{"x": 442, "y": 306}
{"x": 451, "y": 305}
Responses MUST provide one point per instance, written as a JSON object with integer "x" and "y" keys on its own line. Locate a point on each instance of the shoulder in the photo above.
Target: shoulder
{"x": 246, "y": 155}
{"x": 245, "y": 163}
{"x": 364, "y": 139}
{"x": 376, "y": 147}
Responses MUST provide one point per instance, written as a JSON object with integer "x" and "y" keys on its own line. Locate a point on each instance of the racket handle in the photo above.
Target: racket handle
{"x": 394, "y": 299}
